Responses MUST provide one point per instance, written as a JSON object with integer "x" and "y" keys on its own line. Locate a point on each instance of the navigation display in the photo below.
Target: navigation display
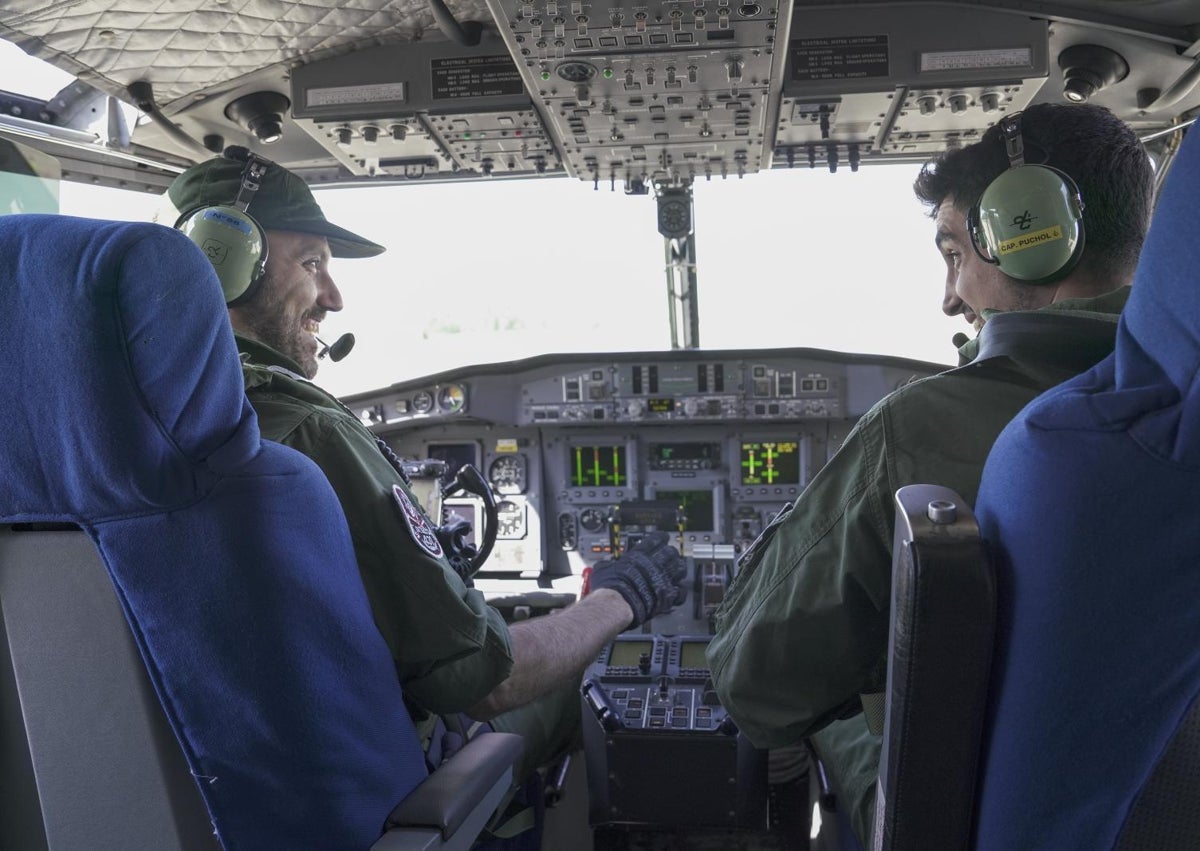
{"x": 697, "y": 506}
{"x": 455, "y": 455}
{"x": 598, "y": 466}
{"x": 627, "y": 653}
{"x": 691, "y": 654}
{"x": 770, "y": 463}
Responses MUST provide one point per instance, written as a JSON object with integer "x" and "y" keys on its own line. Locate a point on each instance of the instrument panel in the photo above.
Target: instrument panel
{"x": 586, "y": 453}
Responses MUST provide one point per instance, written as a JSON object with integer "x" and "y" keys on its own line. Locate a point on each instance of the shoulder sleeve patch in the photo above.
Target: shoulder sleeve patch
{"x": 418, "y": 524}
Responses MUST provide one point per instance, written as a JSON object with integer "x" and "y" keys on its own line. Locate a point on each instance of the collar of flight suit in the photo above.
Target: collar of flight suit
{"x": 1074, "y": 333}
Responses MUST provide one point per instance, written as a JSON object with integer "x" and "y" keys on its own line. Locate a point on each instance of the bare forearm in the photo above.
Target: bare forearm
{"x": 551, "y": 650}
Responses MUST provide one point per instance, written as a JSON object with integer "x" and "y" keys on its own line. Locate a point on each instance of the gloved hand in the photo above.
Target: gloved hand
{"x": 650, "y": 576}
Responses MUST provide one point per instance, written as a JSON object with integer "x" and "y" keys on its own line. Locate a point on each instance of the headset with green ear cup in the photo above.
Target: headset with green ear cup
{"x": 1029, "y": 220}
{"x": 229, "y": 236}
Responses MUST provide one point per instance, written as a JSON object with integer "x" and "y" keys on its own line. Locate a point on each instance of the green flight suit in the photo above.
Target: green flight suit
{"x": 803, "y": 630}
{"x": 450, "y": 648}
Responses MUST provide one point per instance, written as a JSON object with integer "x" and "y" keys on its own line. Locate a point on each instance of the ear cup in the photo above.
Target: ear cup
{"x": 1029, "y": 222}
{"x": 233, "y": 242}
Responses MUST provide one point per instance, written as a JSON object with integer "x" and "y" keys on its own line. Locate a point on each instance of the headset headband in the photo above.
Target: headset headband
{"x": 1014, "y": 143}
{"x": 252, "y": 176}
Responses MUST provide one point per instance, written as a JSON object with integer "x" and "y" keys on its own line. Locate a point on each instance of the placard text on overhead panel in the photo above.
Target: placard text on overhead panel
{"x": 650, "y": 91}
{"x": 902, "y": 81}
{"x": 412, "y": 110}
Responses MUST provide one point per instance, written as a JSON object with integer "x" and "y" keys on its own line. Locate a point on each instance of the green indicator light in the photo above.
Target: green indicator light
{"x": 482, "y": 135}
{"x": 608, "y": 72}
{"x": 545, "y": 75}
{"x": 466, "y": 135}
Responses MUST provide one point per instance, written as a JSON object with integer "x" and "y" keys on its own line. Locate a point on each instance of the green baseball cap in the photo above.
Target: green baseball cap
{"x": 283, "y": 202}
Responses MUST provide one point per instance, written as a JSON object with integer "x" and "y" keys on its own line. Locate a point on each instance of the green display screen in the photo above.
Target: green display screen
{"x": 626, "y": 654}
{"x": 697, "y": 507}
{"x": 771, "y": 463}
{"x": 691, "y": 654}
{"x": 598, "y": 466}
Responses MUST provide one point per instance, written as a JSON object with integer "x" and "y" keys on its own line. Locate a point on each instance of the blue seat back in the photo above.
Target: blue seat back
{"x": 1092, "y": 496}
{"x": 126, "y": 415}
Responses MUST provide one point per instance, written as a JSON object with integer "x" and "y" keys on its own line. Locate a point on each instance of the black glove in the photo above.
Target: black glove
{"x": 461, "y": 554}
{"x": 650, "y": 576}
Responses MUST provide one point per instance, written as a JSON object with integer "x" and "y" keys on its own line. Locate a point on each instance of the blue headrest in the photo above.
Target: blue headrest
{"x": 1158, "y": 345}
{"x": 121, "y": 379}
{"x": 230, "y": 555}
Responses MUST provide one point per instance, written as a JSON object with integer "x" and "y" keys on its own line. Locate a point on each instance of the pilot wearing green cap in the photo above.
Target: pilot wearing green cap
{"x": 271, "y": 246}
{"x": 1039, "y": 223}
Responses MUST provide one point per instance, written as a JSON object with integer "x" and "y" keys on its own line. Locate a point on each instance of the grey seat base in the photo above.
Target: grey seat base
{"x": 87, "y": 757}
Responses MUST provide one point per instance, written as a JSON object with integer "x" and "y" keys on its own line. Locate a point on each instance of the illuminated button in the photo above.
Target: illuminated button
{"x": 657, "y": 711}
{"x": 658, "y": 722}
{"x": 633, "y": 714}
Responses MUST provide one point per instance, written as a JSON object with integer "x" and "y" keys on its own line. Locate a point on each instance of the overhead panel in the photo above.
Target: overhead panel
{"x": 642, "y": 92}
{"x": 419, "y": 109}
{"x": 902, "y": 81}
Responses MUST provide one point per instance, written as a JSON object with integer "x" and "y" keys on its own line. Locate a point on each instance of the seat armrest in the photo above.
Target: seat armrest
{"x": 451, "y": 793}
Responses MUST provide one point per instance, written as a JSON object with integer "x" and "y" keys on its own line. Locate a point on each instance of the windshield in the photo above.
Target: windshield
{"x": 498, "y": 270}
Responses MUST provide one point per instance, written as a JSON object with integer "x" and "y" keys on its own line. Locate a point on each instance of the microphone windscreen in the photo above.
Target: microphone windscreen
{"x": 341, "y": 347}
{"x": 958, "y": 340}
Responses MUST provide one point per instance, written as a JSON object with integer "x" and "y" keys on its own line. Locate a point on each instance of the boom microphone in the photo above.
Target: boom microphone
{"x": 958, "y": 340}
{"x": 338, "y": 349}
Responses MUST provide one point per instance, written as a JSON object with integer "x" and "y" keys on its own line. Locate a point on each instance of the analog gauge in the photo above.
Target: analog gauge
{"x": 507, "y": 474}
{"x": 510, "y": 520}
{"x": 422, "y": 402}
{"x": 592, "y": 519}
{"x": 451, "y": 398}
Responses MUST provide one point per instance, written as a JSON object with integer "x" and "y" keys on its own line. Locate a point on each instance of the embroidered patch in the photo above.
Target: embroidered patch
{"x": 418, "y": 524}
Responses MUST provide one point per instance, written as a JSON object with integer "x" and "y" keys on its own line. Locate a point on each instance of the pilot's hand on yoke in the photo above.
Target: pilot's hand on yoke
{"x": 650, "y": 576}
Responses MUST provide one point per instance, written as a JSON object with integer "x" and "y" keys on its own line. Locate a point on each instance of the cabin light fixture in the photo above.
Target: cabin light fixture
{"x": 260, "y": 113}
{"x": 1088, "y": 68}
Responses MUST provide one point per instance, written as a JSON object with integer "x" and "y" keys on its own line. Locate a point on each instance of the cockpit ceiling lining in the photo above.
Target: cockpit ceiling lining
{"x": 184, "y": 47}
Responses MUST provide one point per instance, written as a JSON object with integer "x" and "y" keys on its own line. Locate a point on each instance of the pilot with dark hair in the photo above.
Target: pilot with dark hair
{"x": 453, "y": 652}
{"x": 801, "y": 642}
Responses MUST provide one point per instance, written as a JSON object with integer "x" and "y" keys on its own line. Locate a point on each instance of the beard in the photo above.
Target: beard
{"x": 270, "y": 319}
